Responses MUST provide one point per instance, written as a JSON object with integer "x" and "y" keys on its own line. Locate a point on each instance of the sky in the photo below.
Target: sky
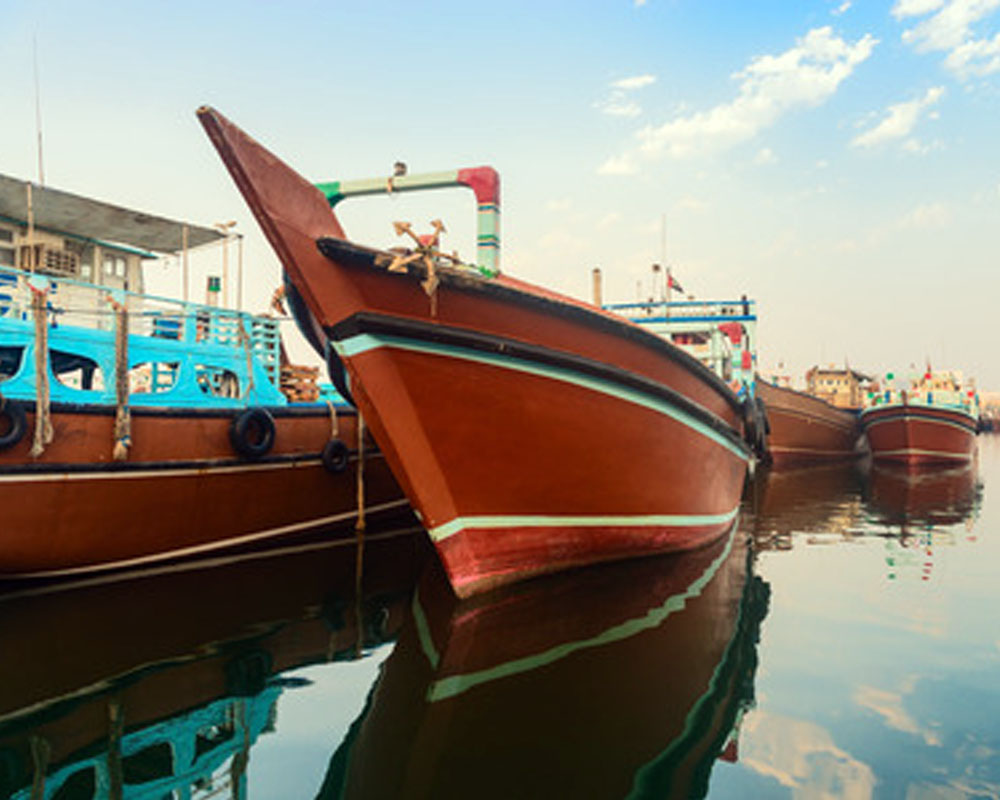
{"x": 836, "y": 160}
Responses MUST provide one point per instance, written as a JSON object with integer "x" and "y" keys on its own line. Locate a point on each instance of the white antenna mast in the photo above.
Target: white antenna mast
{"x": 38, "y": 112}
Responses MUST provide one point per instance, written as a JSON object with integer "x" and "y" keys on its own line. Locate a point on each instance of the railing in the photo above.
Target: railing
{"x": 162, "y": 330}
{"x": 940, "y": 398}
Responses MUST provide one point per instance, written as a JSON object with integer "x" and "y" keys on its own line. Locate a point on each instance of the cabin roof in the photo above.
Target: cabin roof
{"x": 73, "y": 214}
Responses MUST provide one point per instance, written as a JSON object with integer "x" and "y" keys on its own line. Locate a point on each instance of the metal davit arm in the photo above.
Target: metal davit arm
{"x": 484, "y": 182}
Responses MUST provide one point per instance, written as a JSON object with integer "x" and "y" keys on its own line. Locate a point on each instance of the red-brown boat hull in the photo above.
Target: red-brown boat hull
{"x": 915, "y": 434}
{"x": 182, "y": 492}
{"x": 805, "y": 429}
{"x": 531, "y": 432}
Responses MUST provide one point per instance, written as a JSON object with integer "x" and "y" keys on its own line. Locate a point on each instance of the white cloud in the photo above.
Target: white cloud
{"x": 634, "y": 82}
{"x": 619, "y": 103}
{"x": 608, "y": 220}
{"x": 949, "y": 29}
{"x": 842, "y": 8}
{"x": 899, "y": 121}
{"x": 765, "y": 156}
{"x": 619, "y": 106}
{"x": 618, "y": 165}
{"x": 923, "y": 217}
{"x": 771, "y": 85}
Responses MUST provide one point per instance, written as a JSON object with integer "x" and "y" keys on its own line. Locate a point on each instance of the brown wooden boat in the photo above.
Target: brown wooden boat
{"x": 137, "y": 428}
{"x": 805, "y": 429}
{"x": 919, "y": 433}
{"x": 530, "y": 431}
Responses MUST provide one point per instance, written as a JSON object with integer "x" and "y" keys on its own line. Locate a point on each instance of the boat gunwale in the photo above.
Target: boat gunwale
{"x": 367, "y": 322}
{"x": 347, "y": 253}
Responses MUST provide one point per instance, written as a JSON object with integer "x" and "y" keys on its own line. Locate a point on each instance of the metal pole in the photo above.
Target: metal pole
{"x": 597, "y": 286}
{"x": 184, "y": 260}
{"x": 239, "y": 272}
{"x": 224, "y": 298}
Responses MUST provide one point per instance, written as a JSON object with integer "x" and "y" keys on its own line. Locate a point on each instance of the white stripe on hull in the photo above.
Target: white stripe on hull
{"x": 913, "y": 451}
{"x": 442, "y": 532}
{"x": 167, "y": 472}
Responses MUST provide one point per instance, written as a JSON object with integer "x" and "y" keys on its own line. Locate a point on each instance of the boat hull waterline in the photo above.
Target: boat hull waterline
{"x": 531, "y": 432}
{"x": 917, "y": 435}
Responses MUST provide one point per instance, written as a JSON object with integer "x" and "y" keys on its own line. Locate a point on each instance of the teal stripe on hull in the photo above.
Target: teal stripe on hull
{"x": 365, "y": 342}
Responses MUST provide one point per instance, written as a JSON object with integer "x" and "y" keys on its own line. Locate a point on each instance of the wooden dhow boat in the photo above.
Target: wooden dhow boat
{"x": 805, "y": 429}
{"x": 923, "y": 426}
{"x": 791, "y": 427}
{"x": 531, "y": 432}
{"x": 137, "y": 428}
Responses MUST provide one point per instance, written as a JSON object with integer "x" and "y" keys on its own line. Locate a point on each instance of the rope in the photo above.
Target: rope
{"x": 41, "y": 752}
{"x": 116, "y": 729}
{"x": 43, "y": 414}
{"x": 359, "y": 528}
{"x": 245, "y": 341}
{"x": 333, "y": 417}
{"x": 123, "y": 417}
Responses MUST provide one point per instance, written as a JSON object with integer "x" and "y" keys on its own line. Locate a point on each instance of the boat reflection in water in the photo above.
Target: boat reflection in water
{"x": 160, "y": 683}
{"x": 624, "y": 680}
{"x": 823, "y": 501}
{"x": 908, "y": 497}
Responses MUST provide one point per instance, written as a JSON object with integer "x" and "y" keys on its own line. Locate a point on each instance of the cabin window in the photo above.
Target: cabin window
{"x": 152, "y": 377}
{"x": 152, "y": 763}
{"x": 77, "y": 372}
{"x": 8, "y": 256}
{"x": 10, "y": 361}
{"x": 114, "y": 265}
{"x": 217, "y": 381}
{"x": 6, "y": 235}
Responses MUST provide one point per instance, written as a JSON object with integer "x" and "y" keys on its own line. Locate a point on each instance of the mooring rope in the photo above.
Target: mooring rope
{"x": 116, "y": 730}
{"x": 41, "y": 752}
{"x": 123, "y": 417}
{"x": 334, "y": 428}
{"x": 43, "y": 413}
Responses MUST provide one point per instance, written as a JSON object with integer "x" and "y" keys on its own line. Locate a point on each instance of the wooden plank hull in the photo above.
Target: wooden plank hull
{"x": 182, "y": 493}
{"x": 805, "y": 429}
{"x": 531, "y": 432}
{"x": 630, "y": 678}
{"x": 915, "y": 434}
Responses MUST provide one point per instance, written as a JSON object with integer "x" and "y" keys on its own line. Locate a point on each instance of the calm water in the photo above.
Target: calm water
{"x": 844, "y": 641}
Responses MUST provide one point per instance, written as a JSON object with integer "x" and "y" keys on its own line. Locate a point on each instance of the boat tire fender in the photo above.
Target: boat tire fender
{"x": 755, "y": 426}
{"x": 252, "y": 432}
{"x": 335, "y": 456}
{"x": 17, "y": 424}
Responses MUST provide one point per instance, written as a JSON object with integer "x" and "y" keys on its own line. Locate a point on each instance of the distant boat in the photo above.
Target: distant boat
{"x": 531, "y": 432}
{"x": 792, "y": 427}
{"x": 934, "y": 422}
{"x": 803, "y": 428}
{"x": 169, "y": 434}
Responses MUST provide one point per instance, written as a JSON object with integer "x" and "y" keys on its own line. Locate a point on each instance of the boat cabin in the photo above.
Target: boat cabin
{"x": 86, "y": 258}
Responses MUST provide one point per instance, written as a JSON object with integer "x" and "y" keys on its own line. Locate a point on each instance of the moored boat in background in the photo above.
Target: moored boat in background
{"x": 136, "y": 428}
{"x": 933, "y": 422}
{"x": 803, "y": 428}
{"x": 531, "y": 431}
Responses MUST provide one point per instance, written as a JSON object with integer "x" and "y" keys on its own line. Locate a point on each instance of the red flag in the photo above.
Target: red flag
{"x": 673, "y": 284}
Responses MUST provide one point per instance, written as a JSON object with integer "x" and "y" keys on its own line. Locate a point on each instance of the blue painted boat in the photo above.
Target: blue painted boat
{"x": 136, "y": 428}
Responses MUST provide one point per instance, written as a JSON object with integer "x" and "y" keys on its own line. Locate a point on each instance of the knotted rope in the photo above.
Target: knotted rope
{"x": 427, "y": 251}
{"x": 333, "y": 418}
{"x": 123, "y": 417}
{"x": 43, "y": 414}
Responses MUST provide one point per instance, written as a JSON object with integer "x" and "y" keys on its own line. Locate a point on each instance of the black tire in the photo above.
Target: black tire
{"x": 252, "y": 432}
{"x": 335, "y": 456}
{"x": 13, "y": 418}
